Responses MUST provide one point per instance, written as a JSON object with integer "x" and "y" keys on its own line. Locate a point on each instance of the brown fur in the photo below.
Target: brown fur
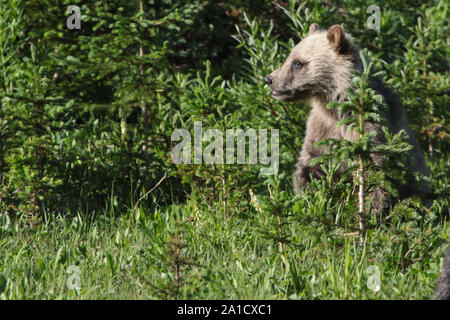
{"x": 318, "y": 71}
{"x": 443, "y": 286}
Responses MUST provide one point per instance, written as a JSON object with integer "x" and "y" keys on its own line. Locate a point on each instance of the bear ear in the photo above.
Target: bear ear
{"x": 313, "y": 28}
{"x": 336, "y": 36}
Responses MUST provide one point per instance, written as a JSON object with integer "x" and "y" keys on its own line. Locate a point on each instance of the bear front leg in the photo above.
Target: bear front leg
{"x": 303, "y": 172}
{"x": 301, "y": 178}
{"x": 381, "y": 201}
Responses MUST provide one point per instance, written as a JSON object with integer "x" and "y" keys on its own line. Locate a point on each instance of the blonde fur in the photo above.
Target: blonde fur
{"x": 317, "y": 71}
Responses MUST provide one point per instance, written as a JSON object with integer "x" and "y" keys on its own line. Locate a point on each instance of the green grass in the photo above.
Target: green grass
{"x": 218, "y": 257}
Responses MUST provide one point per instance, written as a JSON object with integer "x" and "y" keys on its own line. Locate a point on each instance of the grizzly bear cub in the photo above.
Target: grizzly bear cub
{"x": 317, "y": 71}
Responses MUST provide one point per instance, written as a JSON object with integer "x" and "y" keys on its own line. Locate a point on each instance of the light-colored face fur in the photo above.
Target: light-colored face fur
{"x": 317, "y": 68}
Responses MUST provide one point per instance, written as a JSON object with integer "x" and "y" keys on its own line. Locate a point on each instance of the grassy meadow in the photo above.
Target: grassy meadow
{"x": 92, "y": 205}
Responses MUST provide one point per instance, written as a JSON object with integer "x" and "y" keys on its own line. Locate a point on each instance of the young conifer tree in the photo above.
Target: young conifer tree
{"x": 116, "y": 69}
{"x": 33, "y": 120}
{"x": 376, "y": 160}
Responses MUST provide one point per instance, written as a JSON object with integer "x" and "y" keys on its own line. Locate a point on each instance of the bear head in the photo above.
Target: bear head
{"x": 318, "y": 67}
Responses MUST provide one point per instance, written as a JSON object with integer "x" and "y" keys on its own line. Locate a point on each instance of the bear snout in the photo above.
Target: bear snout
{"x": 268, "y": 80}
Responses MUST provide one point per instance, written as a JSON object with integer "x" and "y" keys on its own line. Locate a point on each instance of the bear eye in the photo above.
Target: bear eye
{"x": 297, "y": 64}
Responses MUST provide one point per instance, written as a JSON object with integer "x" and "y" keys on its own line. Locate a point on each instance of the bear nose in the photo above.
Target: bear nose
{"x": 268, "y": 80}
